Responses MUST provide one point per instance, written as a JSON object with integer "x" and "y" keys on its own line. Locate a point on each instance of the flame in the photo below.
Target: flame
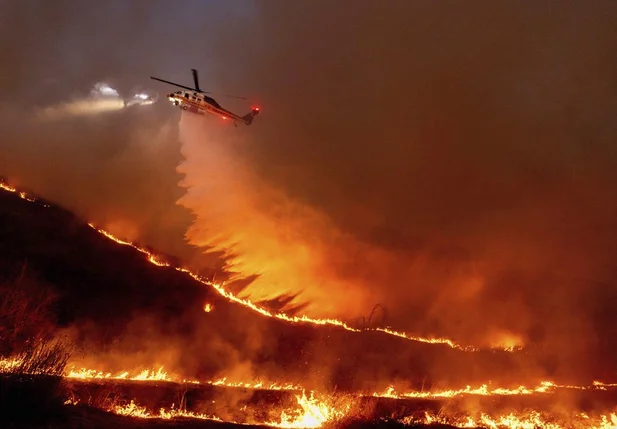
{"x": 506, "y": 340}
{"x": 208, "y": 307}
{"x": 161, "y": 375}
{"x": 145, "y": 375}
{"x": 7, "y": 364}
{"x": 256, "y": 385}
{"x": 525, "y": 420}
{"x": 314, "y": 413}
{"x": 7, "y": 187}
{"x": 133, "y": 410}
{"x": 22, "y": 195}
{"x": 483, "y": 390}
{"x": 311, "y": 413}
{"x": 431, "y": 340}
{"x": 282, "y": 316}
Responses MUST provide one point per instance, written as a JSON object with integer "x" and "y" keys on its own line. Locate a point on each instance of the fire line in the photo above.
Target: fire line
{"x": 280, "y": 315}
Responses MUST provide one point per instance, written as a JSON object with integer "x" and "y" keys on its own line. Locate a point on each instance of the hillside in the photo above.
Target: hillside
{"x": 126, "y": 309}
{"x": 129, "y": 312}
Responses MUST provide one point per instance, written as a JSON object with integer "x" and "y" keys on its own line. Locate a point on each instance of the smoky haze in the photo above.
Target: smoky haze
{"x": 466, "y": 153}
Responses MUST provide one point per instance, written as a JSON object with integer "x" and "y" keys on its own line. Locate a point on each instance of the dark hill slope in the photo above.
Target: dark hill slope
{"x": 126, "y": 311}
{"x": 97, "y": 279}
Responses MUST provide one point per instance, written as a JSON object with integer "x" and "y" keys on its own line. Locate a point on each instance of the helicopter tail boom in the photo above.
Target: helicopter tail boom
{"x": 248, "y": 118}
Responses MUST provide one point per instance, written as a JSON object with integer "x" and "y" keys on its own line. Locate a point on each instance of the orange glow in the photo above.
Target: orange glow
{"x": 133, "y": 410}
{"x": 161, "y": 375}
{"x": 484, "y": 390}
{"x": 256, "y": 385}
{"x": 524, "y": 420}
{"x": 22, "y": 195}
{"x": 289, "y": 246}
{"x": 313, "y": 412}
{"x": 294, "y": 319}
{"x": 208, "y": 307}
{"x": 7, "y": 187}
{"x": 7, "y": 364}
{"x": 506, "y": 340}
{"x": 310, "y": 413}
{"x": 261, "y": 231}
{"x": 145, "y": 375}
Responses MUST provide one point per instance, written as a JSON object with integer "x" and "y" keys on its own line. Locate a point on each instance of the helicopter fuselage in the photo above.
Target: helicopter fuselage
{"x": 195, "y": 102}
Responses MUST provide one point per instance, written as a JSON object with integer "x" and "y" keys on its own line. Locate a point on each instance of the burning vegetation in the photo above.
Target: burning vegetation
{"x": 41, "y": 331}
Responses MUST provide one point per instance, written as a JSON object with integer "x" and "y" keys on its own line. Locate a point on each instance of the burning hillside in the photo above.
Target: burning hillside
{"x": 251, "y": 363}
{"x": 104, "y": 302}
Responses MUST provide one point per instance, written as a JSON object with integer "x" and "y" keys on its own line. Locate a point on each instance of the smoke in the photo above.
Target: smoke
{"x": 105, "y": 166}
{"x": 103, "y": 98}
{"x": 453, "y": 163}
{"x": 464, "y": 153}
{"x": 112, "y": 164}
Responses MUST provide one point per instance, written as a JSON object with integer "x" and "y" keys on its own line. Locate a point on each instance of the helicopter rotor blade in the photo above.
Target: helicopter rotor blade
{"x": 197, "y": 88}
{"x": 225, "y": 95}
{"x": 196, "y": 80}
{"x": 173, "y": 83}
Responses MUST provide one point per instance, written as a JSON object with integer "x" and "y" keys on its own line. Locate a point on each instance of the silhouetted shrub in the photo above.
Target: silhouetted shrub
{"x": 32, "y": 361}
{"x": 26, "y": 314}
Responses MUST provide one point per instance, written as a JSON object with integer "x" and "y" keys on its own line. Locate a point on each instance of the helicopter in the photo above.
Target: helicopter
{"x": 195, "y": 100}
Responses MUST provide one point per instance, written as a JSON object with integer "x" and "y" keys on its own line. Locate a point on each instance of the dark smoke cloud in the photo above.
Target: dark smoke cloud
{"x": 472, "y": 146}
